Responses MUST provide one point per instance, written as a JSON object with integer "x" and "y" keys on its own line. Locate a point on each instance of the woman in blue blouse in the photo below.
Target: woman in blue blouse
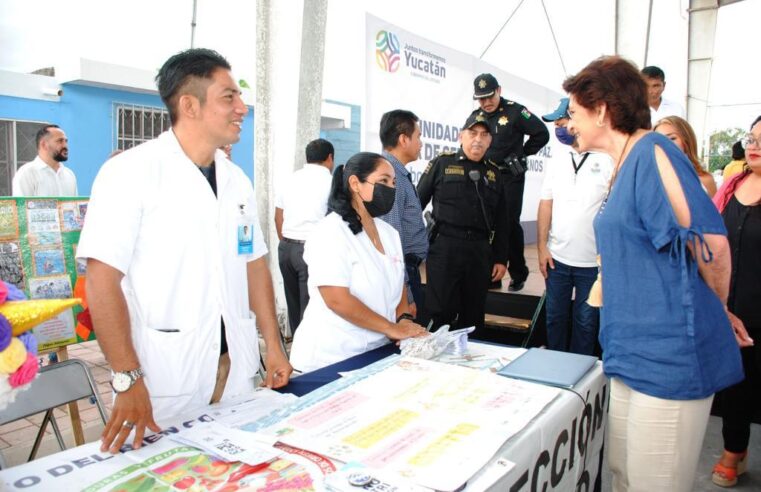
{"x": 667, "y": 342}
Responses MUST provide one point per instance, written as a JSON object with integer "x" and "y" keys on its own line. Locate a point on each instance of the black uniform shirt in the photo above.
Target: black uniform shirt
{"x": 447, "y": 181}
{"x": 509, "y": 123}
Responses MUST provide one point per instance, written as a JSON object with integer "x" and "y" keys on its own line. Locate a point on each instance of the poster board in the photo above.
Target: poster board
{"x": 38, "y": 243}
{"x": 406, "y": 71}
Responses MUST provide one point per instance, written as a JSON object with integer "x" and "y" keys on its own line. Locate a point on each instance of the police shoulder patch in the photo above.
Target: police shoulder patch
{"x": 525, "y": 113}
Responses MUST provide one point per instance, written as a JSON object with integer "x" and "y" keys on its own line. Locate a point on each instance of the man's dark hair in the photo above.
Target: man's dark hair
{"x": 395, "y": 123}
{"x": 738, "y": 152}
{"x": 654, "y": 72}
{"x": 319, "y": 150}
{"x": 183, "y": 72}
{"x": 42, "y": 133}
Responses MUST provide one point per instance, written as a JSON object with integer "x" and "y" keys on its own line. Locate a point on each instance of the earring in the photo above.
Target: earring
{"x": 600, "y": 124}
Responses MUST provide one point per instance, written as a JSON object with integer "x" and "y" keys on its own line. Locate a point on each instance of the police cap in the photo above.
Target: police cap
{"x": 476, "y": 118}
{"x": 484, "y": 86}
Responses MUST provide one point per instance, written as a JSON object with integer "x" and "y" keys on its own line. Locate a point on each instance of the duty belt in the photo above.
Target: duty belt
{"x": 463, "y": 232}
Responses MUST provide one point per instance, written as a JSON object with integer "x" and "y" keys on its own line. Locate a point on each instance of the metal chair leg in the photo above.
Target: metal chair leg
{"x": 57, "y": 432}
{"x": 40, "y": 434}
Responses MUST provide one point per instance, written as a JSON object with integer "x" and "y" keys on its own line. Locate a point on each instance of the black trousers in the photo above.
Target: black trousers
{"x": 740, "y": 402}
{"x": 416, "y": 285}
{"x": 457, "y": 278}
{"x": 294, "y": 271}
{"x": 516, "y": 262}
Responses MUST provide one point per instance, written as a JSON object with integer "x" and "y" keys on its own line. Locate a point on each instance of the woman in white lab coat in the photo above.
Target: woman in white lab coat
{"x": 356, "y": 271}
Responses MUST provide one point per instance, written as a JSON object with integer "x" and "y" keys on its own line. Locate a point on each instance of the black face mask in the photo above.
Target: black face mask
{"x": 382, "y": 202}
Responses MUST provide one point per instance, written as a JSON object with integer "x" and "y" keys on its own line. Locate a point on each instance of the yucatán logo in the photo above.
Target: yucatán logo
{"x": 387, "y": 51}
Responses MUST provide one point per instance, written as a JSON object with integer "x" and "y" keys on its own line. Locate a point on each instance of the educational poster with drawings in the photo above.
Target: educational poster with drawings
{"x": 433, "y": 424}
{"x": 38, "y": 243}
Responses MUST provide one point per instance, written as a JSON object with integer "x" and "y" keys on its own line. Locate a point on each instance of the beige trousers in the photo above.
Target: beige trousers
{"x": 654, "y": 444}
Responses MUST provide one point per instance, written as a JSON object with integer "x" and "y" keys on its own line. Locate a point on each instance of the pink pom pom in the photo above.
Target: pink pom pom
{"x": 25, "y": 373}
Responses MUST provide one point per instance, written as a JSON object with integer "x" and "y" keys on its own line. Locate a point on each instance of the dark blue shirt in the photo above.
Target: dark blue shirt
{"x": 663, "y": 331}
{"x": 406, "y": 216}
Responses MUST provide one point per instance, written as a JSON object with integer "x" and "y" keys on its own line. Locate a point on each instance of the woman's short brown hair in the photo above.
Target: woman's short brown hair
{"x": 618, "y": 84}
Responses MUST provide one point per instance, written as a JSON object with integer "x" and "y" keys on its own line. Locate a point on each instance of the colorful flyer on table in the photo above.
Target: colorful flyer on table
{"x": 433, "y": 424}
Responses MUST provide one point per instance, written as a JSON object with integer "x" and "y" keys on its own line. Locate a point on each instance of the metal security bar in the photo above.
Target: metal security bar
{"x": 138, "y": 124}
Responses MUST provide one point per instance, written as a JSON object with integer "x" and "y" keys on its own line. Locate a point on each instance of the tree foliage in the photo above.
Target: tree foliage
{"x": 720, "y": 147}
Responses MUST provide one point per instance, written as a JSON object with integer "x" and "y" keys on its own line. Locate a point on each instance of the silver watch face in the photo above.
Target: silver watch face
{"x": 121, "y": 382}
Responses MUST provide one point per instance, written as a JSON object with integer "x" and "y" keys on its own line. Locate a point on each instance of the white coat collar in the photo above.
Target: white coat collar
{"x": 169, "y": 139}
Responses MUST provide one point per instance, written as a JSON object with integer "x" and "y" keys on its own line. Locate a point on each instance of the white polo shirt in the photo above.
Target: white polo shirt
{"x": 304, "y": 200}
{"x": 36, "y": 178}
{"x": 667, "y": 108}
{"x": 576, "y": 199}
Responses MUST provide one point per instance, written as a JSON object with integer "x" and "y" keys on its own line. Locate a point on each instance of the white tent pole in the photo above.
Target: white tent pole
{"x": 310, "y": 76}
{"x": 193, "y": 25}
{"x": 647, "y": 34}
{"x": 700, "y": 44}
{"x": 500, "y": 29}
{"x": 629, "y": 35}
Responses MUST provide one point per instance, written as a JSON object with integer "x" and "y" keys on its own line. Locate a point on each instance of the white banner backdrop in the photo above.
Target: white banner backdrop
{"x": 405, "y": 71}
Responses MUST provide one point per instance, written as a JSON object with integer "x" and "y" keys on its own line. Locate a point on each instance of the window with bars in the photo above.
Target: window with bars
{"x": 17, "y": 147}
{"x": 138, "y": 124}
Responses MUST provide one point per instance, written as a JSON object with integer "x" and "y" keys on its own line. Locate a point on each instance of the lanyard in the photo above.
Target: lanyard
{"x": 575, "y": 167}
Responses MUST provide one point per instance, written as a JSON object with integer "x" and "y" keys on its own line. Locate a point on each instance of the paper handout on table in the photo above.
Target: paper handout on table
{"x": 434, "y": 424}
{"x": 249, "y": 407}
{"x": 226, "y": 443}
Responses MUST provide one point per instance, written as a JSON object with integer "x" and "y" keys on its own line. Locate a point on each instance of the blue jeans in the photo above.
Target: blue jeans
{"x": 561, "y": 305}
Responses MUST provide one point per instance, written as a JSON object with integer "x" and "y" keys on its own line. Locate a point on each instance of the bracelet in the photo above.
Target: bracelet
{"x": 404, "y": 316}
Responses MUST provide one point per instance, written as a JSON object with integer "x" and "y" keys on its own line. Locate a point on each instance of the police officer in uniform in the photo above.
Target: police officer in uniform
{"x": 468, "y": 241}
{"x": 509, "y": 122}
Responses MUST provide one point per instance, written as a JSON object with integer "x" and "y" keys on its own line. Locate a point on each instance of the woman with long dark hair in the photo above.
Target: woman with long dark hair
{"x": 739, "y": 201}
{"x": 356, "y": 270}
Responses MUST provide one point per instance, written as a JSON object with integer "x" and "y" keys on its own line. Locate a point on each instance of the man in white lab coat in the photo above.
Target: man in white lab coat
{"x": 173, "y": 269}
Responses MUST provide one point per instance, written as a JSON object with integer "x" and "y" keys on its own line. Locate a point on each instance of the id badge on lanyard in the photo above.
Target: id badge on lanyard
{"x": 245, "y": 231}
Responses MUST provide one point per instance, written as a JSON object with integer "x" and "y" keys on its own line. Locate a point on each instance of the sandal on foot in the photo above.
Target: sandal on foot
{"x": 726, "y": 476}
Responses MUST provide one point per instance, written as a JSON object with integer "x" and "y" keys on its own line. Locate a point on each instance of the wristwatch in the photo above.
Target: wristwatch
{"x": 123, "y": 380}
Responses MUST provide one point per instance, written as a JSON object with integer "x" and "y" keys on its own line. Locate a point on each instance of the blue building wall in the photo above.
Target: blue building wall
{"x": 86, "y": 114}
{"x": 345, "y": 141}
